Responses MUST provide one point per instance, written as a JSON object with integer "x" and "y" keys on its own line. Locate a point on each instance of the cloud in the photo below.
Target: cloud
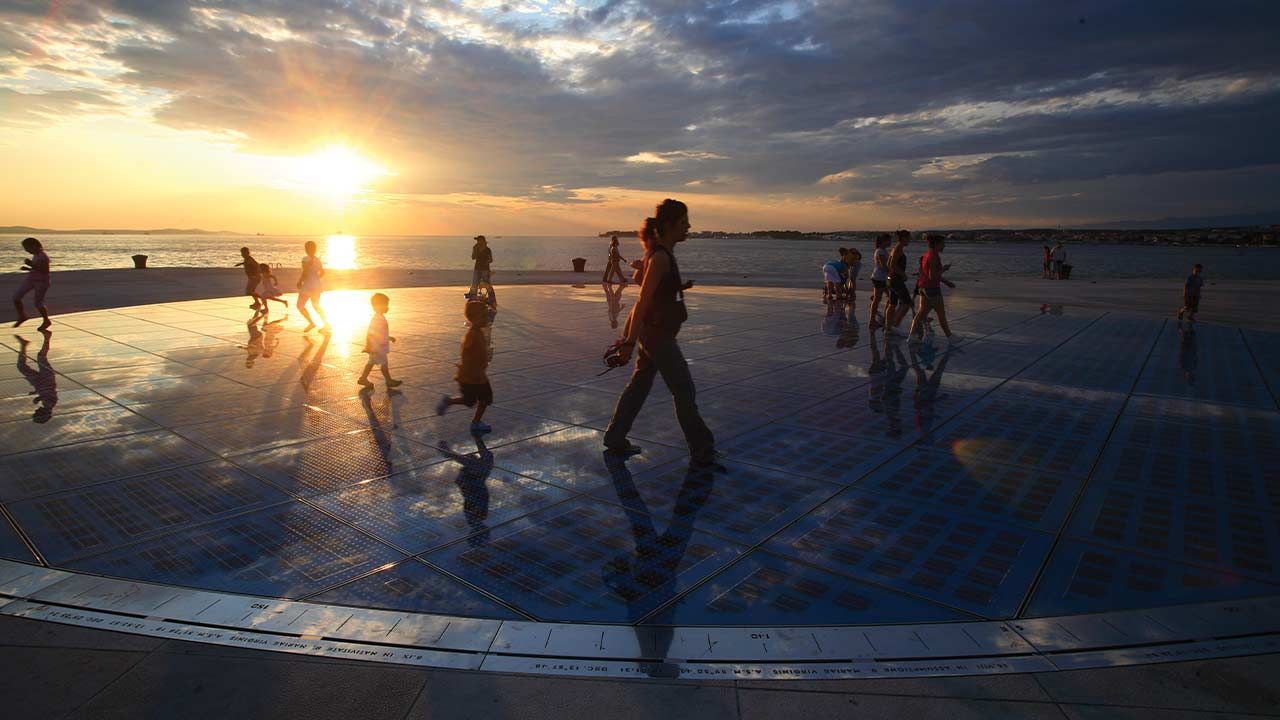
{"x": 902, "y": 103}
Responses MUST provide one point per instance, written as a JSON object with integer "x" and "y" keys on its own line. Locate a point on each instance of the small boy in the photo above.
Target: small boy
{"x": 251, "y": 276}
{"x": 472, "y": 379}
{"x": 37, "y": 279}
{"x": 377, "y": 342}
{"x": 1191, "y": 294}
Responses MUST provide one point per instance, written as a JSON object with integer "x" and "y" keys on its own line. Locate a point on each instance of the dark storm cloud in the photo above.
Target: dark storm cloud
{"x": 910, "y": 101}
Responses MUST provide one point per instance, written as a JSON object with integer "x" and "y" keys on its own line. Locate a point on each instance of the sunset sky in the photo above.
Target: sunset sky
{"x": 575, "y": 116}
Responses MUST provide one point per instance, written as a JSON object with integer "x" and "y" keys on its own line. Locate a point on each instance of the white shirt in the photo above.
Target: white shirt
{"x": 311, "y": 271}
{"x": 880, "y": 270}
{"x": 379, "y": 336}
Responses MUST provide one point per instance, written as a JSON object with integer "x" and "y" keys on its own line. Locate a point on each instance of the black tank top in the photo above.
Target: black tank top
{"x": 668, "y": 312}
{"x": 899, "y": 269}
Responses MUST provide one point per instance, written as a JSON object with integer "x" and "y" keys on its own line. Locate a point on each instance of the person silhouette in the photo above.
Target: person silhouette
{"x": 613, "y": 265}
{"x": 654, "y": 323}
{"x": 43, "y": 379}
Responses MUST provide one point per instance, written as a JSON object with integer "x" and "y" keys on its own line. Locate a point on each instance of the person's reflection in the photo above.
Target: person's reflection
{"x": 851, "y": 332}
{"x": 833, "y": 320}
{"x": 927, "y": 391}
{"x": 473, "y": 485}
{"x": 895, "y": 372}
{"x": 253, "y": 348}
{"x": 877, "y": 375}
{"x": 1187, "y": 354}
{"x": 43, "y": 379}
{"x": 312, "y": 359}
{"x": 613, "y": 297}
{"x": 647, "y": 581}
{"x": 271, "y": 337}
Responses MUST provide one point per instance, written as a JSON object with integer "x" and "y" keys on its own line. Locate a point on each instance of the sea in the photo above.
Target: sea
{"x": 754, "y": 257}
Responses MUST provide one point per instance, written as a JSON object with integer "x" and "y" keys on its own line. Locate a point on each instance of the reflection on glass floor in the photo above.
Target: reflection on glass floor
{"x": 1047, "y": 463}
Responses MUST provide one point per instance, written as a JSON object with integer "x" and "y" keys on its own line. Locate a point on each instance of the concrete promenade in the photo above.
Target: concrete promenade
{"x": 56, "y": 671}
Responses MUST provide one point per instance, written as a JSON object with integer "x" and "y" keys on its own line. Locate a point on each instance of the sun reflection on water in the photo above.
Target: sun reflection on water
{"x": 340, "y": 252}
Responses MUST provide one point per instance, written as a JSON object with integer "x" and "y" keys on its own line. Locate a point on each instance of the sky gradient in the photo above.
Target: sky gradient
{"x": 522, "y": 117}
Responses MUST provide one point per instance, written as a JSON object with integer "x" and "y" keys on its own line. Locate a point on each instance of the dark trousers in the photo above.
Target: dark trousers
{"x": 661, "y": 356}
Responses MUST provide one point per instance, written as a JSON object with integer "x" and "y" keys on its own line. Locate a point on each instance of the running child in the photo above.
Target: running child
{"x": 310, "y": 286}
{"x": 879, "y": 278}
{"x": 473, "y": 381}
{"x": 251, "y": 276}
{"x": 1191, "y": 294}
{"x": 37, "y": 280}
{"x": 377, "y": 342}
{"x": 267, "y": 287}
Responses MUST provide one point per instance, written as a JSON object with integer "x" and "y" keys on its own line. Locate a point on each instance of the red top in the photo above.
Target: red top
{"x": 931, "y": 270}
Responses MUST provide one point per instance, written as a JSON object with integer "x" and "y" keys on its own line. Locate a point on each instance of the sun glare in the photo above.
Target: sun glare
{"x": 336, "y": 172}
{"x": 340, "y": 252}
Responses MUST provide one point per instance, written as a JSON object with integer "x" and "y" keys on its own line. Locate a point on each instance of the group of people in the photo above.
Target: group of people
{"x": 650, "y": 330}
{"x": 840, "y": 276}
{"x": 889, "y": 284}
{"x": 261, "y": 285}
{"x": 1054, "y": 259}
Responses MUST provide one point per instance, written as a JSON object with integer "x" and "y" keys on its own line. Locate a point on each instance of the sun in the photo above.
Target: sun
{"x": 336, "y": 172}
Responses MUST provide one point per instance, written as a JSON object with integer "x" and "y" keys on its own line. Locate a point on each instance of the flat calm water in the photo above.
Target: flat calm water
{"x": 751, "y": 257}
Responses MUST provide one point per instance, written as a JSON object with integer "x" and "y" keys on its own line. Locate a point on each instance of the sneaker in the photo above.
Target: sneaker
{"x": 480, "y": 428}
{"x": 626, "y": 450}
{"x": 394, "y": 383}
{"x": 442, "y": 405}
{"x": 365, "y": 382}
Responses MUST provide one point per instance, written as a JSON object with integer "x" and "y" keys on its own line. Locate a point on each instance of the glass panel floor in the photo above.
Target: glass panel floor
{"x": 1045, "y": 462}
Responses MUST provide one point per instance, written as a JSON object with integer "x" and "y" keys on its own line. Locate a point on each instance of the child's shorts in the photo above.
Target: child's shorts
{"x": 479, "y": 392}
{"x": 878, "y": 284}
{"x": 378, "y": 358}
